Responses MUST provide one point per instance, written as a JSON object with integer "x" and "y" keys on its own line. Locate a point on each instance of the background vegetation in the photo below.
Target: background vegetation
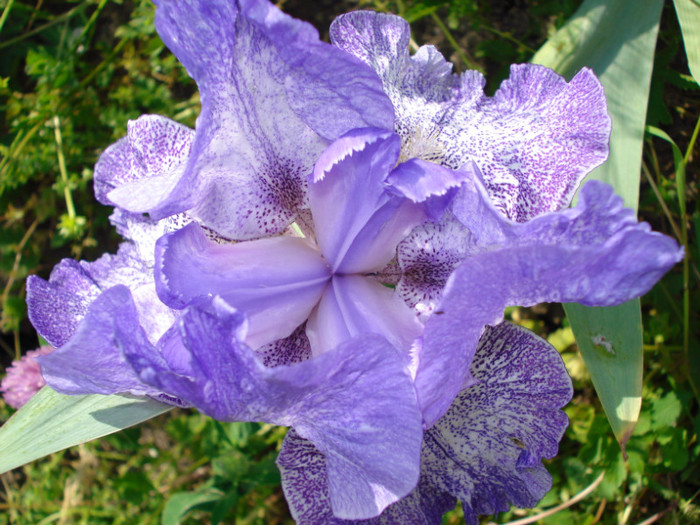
{"x": 72, "y": 73}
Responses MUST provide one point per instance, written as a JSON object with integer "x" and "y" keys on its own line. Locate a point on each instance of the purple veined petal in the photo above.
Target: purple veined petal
{"x": 595, "y": 254}
{"x": 358, "y": 220}
{"x": 305, "y": 486}
{"x": 141, "y": 170}
{"x": 275, "y": 281}
{"x": 353, "y": 305}
{"x": 91, "y": 361}
{"x": 534, "y": 141}
{"x": 487, "y": 449}
{"x": 55, "y": 307}
{"x": 356, "y": 403}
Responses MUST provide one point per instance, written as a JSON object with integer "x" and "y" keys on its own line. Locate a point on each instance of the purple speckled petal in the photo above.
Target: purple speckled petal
{"x": 358, "y": 220}
{"x": 91, "y": 362}
{"x": 594, "y": 254}
{"x": 487, "y": 449}
{"x": 354, "y": 305}
{"x": 427, "y": 258}
{"x": 305, "y": 486}
{"x": 275, "y": 281}
{"x": 534, "y": 141}
{"x": 292, "y": 349}
{"x": 356, "y": 403}
{"x": 56, "y": 306}
{"x": 141, "y": 170}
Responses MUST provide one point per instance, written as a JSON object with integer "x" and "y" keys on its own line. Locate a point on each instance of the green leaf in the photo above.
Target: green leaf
{"x": 688, "y": 12}
{"x": 610, "y": 340}
{"x": 616, "y": 38}
{"x": 181, "y": 503}
{"x": 50, "y": 422}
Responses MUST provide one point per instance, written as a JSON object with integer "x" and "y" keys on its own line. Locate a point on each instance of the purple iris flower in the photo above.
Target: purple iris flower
{"x": 332, "y": 249}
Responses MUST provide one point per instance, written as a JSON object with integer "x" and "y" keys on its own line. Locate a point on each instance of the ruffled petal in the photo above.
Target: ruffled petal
{"x": 356, "y": 403}
{"x": 55, "y": 307}
{"x": 246, "y": 176}
{"x": 534, "y": 141}
{"x": 305, "y": 486}
{"x": 487, "y": 449}
{"x": 358, "y": 220}
{"x": 141, "y": 170}
{"x": 595, "y": 254}
{"x": 353, "y": 305}
{"x": 91, "y": 362}
{"x": 275, "y": 281}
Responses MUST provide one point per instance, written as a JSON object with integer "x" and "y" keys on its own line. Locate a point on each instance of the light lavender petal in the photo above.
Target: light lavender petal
{"x": 356, "y": 403}
{"x": 595, "y": 254}
{"x": 353, "y": 305}
{"x": 358, "y": 220}
{"x": 275, "y": 281}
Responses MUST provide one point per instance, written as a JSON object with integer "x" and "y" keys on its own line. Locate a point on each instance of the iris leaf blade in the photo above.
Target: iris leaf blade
{"x": 688, "y": 12}
{"x": 616, "y": 38}
{"x": 50, "y": 422}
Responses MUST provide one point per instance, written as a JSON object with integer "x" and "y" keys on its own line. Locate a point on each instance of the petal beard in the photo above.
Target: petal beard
{"x": 55, "y": 307}
{"x": 305, "y": 486}
{"x": 276, "y": 281}
{"x": 594, "y": 254}
{"x": 353, "y": 305}
{"x": 141, "y": 170}
{"x": 355, "y": 403}
{"x": 487, "y": 449}
{"x": 358, "y": 220}
{"x": 91, "y": 361}
{"x": 534, "y": 141}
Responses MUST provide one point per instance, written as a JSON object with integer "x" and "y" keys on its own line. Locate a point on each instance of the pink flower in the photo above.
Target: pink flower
{"x": 23, "y": 378}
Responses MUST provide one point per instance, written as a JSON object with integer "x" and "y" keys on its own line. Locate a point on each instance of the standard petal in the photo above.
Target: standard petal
{"x": 141, "y": 170}
{"x": 594, "y": 254}
{"x": 358, "y": 220}
{"x": 356, "y": 403}
{"x": 91, "y": 362}
{"x": 305, "y": 486}
{"x": 487, "y": 449}
{"x": 275, "y": 281}
{"x": 534, "y": 141}
{"x": 354, "y": 305}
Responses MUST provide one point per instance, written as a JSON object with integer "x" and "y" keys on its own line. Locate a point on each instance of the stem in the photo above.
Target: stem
{"x": 578, "y": 497}
{"x": 6, "y": 13}
{"x": 62, "y": 168}
{"x": 39, "y": 29}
